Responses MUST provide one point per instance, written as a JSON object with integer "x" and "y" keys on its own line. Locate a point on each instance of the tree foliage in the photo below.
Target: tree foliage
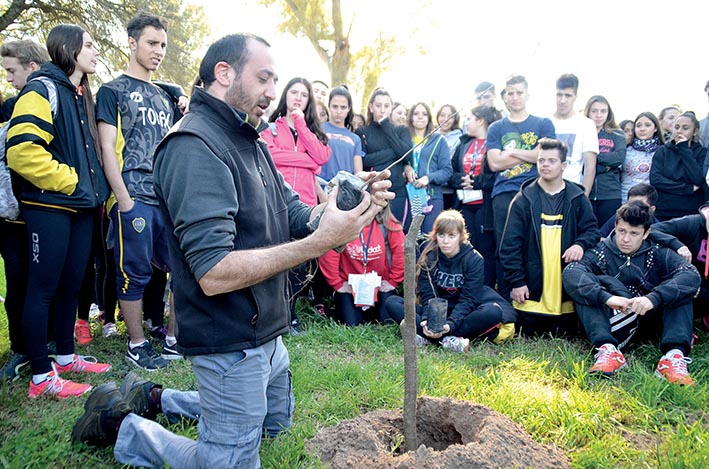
{"x": 326, "y": 31}
{"x": 106, "y": 20}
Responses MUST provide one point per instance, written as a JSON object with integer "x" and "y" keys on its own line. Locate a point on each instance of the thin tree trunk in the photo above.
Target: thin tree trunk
{"x": 408, "y": 334}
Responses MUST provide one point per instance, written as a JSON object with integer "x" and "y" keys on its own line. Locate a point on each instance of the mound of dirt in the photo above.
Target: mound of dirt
{"x": 451, "y": 434}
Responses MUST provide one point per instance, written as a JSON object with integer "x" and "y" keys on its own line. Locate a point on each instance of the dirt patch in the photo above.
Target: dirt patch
{"x": 641, "y": 441}
{"x": 451, "y": 434}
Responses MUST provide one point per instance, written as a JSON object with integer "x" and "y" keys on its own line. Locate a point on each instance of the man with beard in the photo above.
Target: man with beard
{"x": 235, "y": 230}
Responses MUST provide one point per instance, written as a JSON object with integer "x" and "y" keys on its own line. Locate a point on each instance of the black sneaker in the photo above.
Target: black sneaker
{"x": 105, "y": 402}
{"x": 136, "y": 392}
{"x": 169, "y": 352}
{"x": 15, "y": 363}
{"x": 158, "y": 332}
{"x": 145, "y": 357}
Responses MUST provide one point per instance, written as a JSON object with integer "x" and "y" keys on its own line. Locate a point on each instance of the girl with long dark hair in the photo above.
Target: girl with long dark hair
{"x": 296, "y": 140}
{"x": 53, "y": 145}
{"x": 647, "y": 138}
{"x": 430, "y": 163}
{"x": 605, "y": 193}
{"x": 383, "y": 143}
{"x": 473, "y": 181}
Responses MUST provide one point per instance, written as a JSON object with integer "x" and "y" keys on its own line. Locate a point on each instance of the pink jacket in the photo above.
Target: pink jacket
{"x": 298, "y": 163}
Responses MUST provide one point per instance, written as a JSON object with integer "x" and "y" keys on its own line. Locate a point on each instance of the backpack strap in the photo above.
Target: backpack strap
{"x": 51, "y": 94}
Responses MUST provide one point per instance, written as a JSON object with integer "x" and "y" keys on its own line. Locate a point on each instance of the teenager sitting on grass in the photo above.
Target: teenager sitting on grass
{"x": 451, "y": 269}
{"x": 626, "y": 284}
{"x": 378, "y": 252}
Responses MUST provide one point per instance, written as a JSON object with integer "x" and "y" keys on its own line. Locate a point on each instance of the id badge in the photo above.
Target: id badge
{"x": 364, "y": 287}
{"x": 469, "y": 195}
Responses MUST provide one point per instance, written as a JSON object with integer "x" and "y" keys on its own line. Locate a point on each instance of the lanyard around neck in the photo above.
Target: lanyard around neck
{"x": 365, "y": 247}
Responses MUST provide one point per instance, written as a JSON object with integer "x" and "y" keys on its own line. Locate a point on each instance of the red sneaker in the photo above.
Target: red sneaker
{"x": 674, "y": 369}
{"x": 83, "y": 364}
{"x": 82, "y": 332}
{"x": 608, "y": 361}
{"x": 57, "y": 387}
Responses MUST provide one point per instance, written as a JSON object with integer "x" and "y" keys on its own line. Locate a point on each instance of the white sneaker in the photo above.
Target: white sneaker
{"x": 109, "y": 330}
{"x": 457, "y": 344}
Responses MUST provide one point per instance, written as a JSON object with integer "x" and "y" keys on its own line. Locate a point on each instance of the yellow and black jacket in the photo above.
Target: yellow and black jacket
{"x": 55, "y": 156}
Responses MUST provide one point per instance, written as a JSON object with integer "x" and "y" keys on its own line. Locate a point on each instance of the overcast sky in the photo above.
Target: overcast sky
{"x": 642, "y": 56}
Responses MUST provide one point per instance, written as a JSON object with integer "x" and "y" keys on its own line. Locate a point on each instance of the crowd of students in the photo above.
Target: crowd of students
{"x": 524, "y": 197}
{"x": 510, "y": 203}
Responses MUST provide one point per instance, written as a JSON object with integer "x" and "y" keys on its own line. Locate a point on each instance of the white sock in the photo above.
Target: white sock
{"x": 674, "y": 351}
{"x": 132, "y": 345}
{"x": 36, "y": 379}
{"x": 64, "y": 360}
{"x": 170, "y": 340}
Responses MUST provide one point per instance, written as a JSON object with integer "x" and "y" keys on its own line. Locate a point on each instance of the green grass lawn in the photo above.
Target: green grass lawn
{"x": 633, "y": 421}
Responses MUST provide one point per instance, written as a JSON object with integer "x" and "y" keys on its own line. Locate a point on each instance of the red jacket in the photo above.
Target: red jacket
{"x": 299, "y": 163}
{"x": 337, "y": 267}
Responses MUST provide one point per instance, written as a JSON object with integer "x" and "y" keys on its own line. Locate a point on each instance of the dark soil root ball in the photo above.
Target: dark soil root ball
{"x": 348, "y": 196}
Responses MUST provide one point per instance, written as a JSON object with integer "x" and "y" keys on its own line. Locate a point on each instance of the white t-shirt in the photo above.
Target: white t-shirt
{"x": 579, "y": 134}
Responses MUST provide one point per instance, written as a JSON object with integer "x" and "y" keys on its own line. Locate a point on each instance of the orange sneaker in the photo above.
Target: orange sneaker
{"x": 608, "y": 361}
{"x": 674, "y": 369}
{"x": 56, "y": 387}
{"x": 82, "y": 332}
{"x": 83, "y": 364}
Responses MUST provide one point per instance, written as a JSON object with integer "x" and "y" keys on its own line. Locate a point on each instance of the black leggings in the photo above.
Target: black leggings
{"x": 13, "y": 249}
{"x": 351, "y": 315}
{"x": 154, "y": 298}
{"x": 59, "y": 249}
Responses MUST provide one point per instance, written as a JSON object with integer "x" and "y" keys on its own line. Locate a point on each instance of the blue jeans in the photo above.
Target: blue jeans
{"x": 242, "y": 395}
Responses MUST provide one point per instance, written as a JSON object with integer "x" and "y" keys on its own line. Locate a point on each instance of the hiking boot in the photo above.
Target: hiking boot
{"x": 673, "y": 368}
{"x": 82, "y": 332}
{"x": 57, "y": 387}
{"x": 15, "y": 363}
{"x": 83, "y": 364}
{"x": 143, "y": 356}
{"x": 609, "y": 360}
{"x": 103, "y": 412}
{"x": 457, "y": 344}
{"x": 109, "y": 330}
{"x": 136, "y": 392}
{"x": 169, "y": 352}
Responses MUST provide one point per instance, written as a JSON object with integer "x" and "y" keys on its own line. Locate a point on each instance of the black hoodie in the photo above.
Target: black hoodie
{"x": 459, "y": 280}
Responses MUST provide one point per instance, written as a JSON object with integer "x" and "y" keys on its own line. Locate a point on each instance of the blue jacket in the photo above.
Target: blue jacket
{"x": 435, "y": 162}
